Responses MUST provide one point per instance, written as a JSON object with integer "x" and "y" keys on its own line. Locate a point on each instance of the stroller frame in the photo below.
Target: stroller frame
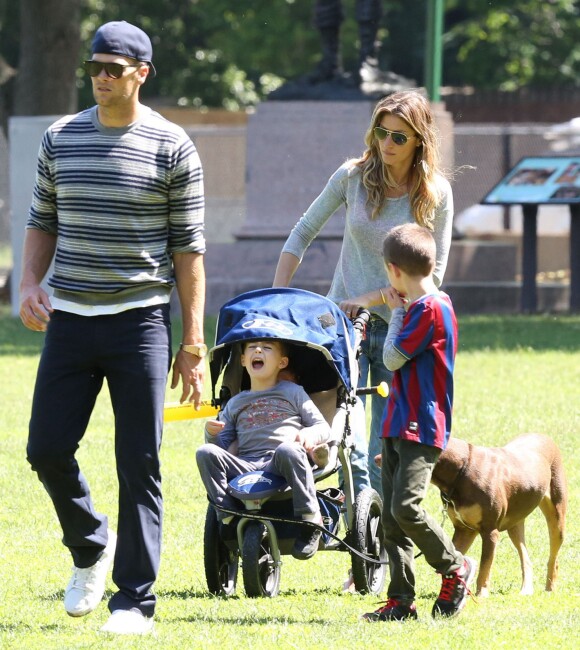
{"x": 329, "y": 344}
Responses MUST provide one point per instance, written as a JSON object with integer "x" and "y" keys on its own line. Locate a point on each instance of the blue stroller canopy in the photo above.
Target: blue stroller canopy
{"x": 323, "y": 335}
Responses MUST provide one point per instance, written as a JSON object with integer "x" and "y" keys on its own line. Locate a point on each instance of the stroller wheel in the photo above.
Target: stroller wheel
{"x": 261, "y": 572}
{"x": 221, "y": 564}
{"x": 368, "y": 539}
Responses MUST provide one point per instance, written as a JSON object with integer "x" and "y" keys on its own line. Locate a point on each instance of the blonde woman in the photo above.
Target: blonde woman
{"x": 397, "y": 180}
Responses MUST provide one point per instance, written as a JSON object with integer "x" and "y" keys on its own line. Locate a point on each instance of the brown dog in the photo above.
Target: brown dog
{"x": 491, "y": 489}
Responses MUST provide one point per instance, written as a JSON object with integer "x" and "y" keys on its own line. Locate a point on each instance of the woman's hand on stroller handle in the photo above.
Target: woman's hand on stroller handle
{"x": 362, "y": 317}
{"x": 352, "y": 307}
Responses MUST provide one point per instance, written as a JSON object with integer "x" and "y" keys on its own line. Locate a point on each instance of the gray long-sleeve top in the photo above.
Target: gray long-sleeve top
{"x": 262, "y": 420}
{"x": 360, "y": 268}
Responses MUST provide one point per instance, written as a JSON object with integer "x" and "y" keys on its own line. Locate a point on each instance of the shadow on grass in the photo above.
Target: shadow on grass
{"x": 235, "y": 618}
{"x": 17, "y": 340}
{"x": 186, "y": 594}
{"x": 485, "y": 332}
{"x": 19, "y": 627}
{"x": 519, "y": 332}
{"x": 242, "y": 619}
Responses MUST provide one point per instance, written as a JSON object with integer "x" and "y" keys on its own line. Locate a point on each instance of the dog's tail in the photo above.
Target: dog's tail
{"x": 554, "y": 506}
{"x": 558, "y": 482}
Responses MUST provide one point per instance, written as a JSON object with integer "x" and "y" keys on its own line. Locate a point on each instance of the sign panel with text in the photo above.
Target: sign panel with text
{"x": 539, "y": 180}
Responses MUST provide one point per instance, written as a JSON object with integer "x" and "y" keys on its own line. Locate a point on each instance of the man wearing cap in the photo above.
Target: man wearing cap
{"x": 118, "y": 207}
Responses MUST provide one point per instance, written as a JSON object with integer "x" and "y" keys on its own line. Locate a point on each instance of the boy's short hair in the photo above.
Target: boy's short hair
{"x": 412, "y": 248}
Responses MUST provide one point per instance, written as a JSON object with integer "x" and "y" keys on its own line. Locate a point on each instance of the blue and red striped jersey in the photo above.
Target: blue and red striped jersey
{"x": 420, "y": 402}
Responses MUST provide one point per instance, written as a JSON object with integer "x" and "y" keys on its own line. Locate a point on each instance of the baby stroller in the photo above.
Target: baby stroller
{"x": 325, "y": 349}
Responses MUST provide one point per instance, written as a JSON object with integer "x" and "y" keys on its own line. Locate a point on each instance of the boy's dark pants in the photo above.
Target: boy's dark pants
{"x": 406, "y": 473}
{"x": 132, "y": 350}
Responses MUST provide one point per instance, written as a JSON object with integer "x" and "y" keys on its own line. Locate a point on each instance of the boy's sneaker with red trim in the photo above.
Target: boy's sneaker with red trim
{"x": 455, "y": 589}
{"x": 392, "y": 610}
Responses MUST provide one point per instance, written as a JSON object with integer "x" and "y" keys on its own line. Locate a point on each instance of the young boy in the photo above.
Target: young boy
{"x": 420, "y": 348}
{"x": 274, "y": 425}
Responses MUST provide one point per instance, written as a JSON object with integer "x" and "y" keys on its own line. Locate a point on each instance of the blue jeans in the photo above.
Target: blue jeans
{"x": 371, "y": 366}
{"x": 132, "y": 351}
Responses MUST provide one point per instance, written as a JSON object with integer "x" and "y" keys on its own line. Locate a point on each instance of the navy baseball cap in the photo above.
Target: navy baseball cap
{"x": 122, "y": 38}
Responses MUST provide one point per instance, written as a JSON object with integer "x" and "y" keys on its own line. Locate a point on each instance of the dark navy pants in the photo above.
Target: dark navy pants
{"x": 132, "y": 351}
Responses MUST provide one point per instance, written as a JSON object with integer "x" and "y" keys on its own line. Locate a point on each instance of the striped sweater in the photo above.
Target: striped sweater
{"x": 121, "y": 201}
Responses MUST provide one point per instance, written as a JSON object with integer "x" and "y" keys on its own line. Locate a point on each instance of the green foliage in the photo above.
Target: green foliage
{"x": 514, "y": 374}
{"x": 403, "y": 39}
{"x": 224, "y": 53}
{"x": 508, "y": 45}
{"x": 9, "y": 36}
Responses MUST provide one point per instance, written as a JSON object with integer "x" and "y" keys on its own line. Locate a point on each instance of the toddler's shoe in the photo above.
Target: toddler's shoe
{"x": 307, "y": 540}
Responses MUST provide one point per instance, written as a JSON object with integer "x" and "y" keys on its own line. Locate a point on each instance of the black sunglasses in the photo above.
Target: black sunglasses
{"x": 113, "y": 70}
{"x": 396, "y": 136}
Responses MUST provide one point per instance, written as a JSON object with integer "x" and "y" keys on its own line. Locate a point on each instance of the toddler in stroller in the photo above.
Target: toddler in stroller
{"x": 272, "y": 508}
{"x": 269, "y": 427}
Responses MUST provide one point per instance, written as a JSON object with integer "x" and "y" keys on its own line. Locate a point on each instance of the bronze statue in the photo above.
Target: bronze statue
{"x": 328, "y": 16}
{"x": 328, "y": 80}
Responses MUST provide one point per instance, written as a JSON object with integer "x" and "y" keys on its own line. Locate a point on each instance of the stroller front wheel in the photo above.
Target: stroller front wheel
{"x": 260, "y": 570}
{"x": 369, "y": 577}
{"x": 220, "y": 563}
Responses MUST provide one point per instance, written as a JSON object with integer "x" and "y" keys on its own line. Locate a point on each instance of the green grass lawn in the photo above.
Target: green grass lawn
{"x": 5, "y": 255}
{"x": 514, "y": 375}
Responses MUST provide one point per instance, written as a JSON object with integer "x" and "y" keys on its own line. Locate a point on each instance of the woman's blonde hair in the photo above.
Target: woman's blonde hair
{"x": 412, "y": 107}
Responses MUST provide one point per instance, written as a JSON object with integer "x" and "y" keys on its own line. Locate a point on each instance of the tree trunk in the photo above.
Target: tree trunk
{"x": 50, "y": 46}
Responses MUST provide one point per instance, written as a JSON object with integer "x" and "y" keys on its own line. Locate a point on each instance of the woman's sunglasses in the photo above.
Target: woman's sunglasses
{"x": 396, "y": 136}
{"x": 113, "y": 70}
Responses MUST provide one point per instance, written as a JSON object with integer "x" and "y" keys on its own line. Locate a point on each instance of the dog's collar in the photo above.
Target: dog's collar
{"x": 447, "y": 497}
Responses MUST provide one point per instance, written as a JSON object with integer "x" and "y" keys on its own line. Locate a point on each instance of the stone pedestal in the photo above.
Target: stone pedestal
{"x": 25, "y": 138}
{"x": 292, "y": 149}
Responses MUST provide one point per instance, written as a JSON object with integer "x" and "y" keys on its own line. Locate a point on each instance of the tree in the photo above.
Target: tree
{"x": 231, "y": 53}
{"x": 49, "y": 50}
{"x": 509, "y": 45}
{"x": 8, "y": 57}
{"x": 221, "y": 53}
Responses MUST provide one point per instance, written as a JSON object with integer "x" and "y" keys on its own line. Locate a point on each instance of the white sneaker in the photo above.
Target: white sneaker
{"x": 87, "y": 586}
{"x": 128, "y": 621}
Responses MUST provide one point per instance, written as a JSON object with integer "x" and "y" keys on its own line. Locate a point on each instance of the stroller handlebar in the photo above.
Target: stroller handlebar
{"x": 382, "y": 389}
{"x": 361, "y": 320}
{"x": 359, "y": 324}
